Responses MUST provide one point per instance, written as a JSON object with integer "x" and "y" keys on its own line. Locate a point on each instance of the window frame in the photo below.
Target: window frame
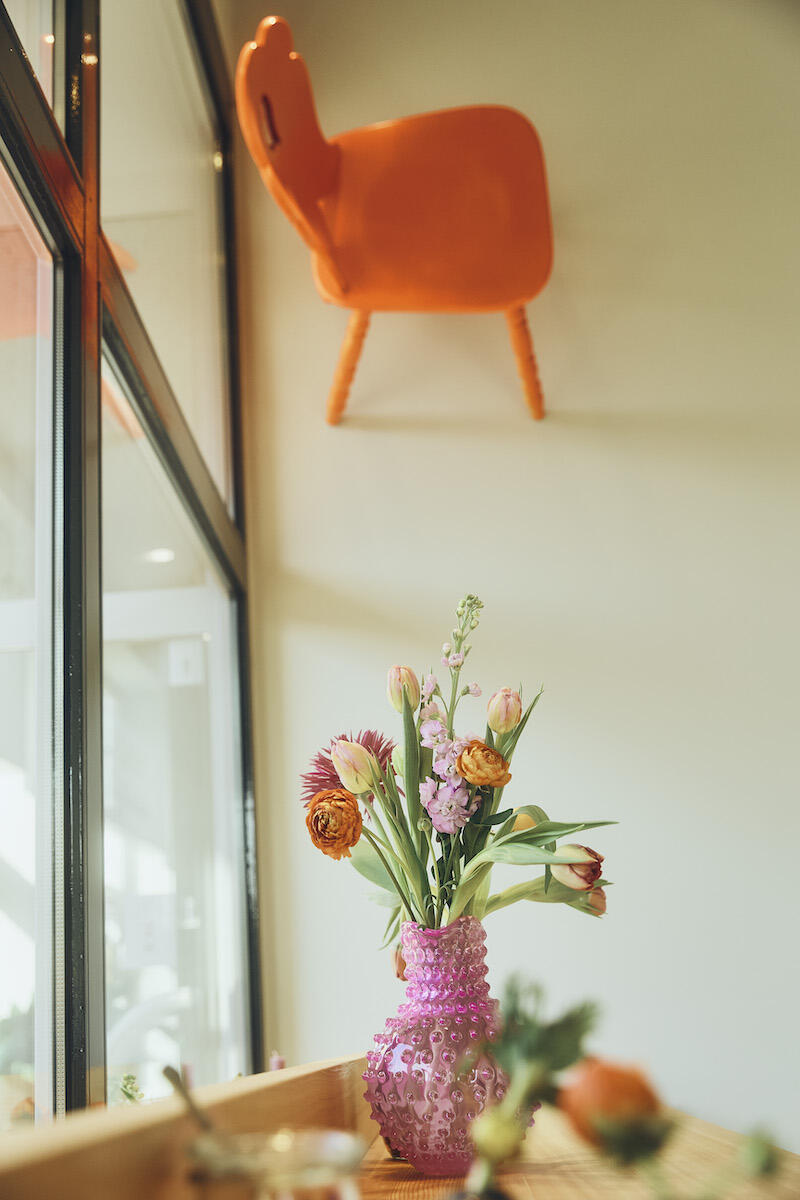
{"x": 59, "y": 175}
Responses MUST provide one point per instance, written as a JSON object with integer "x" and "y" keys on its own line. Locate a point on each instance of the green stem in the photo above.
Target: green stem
{"x": 404, "y": 900}
{"x": 651, "y": 1169}
{"x": 438, "y": 905}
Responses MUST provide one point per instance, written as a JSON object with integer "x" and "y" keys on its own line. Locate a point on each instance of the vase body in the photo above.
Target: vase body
{"x": 422, "y": 1102}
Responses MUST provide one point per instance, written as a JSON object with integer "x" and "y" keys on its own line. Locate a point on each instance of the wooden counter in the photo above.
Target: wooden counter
{"x": 557, "y": 1165}
{"x": 138, "y": 1152}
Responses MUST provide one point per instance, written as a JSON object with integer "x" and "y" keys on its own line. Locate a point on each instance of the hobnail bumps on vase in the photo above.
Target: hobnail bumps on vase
{"x": 421, "y": 1101}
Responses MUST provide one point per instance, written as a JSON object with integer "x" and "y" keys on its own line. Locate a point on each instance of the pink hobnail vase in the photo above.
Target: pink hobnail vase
{"x": 421, "y": 1097}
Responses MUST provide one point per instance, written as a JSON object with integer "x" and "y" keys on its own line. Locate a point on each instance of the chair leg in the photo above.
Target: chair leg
{"x": 526, "y": 359}
{"x": 346, "y": 367}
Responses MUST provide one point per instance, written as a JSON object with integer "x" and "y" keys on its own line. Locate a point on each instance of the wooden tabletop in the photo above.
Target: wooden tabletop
{"x": 557, "y": 1165}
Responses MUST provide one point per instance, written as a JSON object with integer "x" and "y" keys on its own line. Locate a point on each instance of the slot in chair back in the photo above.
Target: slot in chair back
{"x": 278, "y": 119}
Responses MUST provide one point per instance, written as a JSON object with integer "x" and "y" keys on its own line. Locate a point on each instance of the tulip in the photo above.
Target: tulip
{"x": 399, "y": 761}
{"x": 522, "y": 821}
{"x": 355, "y": 766}
{"x": 398, "y": 962}
{"x": 597, "y": 900}
{"x": 505, "y": 710}
{"x": 584, "y": 870}
{"x": 402, "y": 679}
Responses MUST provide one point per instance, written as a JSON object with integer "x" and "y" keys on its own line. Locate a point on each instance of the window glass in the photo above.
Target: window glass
{"x": 160, "y": 195}
{"x": 34, "y": 23}
{"x": 26, "y": 669}
{"x": 174, "y": 859}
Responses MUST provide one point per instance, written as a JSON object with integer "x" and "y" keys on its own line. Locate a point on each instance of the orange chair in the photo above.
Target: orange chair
{"x": 443, "y": 212}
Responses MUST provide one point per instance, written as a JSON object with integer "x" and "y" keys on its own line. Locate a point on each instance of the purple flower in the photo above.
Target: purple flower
{"x": 449, "y": 810}
{"x": 427, "y": 791}
{"x": 456, "y": 660}
{"x": 429, "y": 686}
{"x": 431, "y": 732}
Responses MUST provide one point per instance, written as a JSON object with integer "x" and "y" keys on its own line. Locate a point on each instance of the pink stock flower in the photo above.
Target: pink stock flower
{"x": 429, "y": 686}
{"x": 432, "y": 712}
{"x": 321, "y": 773}
{"x": 474, "y": 689}
{"x": 431, "y": 732}
{"x": 427, "y": 790}
{"x": 450, "y": 808}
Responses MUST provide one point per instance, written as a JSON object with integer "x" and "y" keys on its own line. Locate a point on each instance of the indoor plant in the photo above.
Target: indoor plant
{"x": 423, "y": 820}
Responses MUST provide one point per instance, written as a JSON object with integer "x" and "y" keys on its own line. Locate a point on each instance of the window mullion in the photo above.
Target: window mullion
{"x": 85, "y": 1076}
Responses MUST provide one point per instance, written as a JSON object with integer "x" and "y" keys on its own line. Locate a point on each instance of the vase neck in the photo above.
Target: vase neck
{"x": 445, "y": 965}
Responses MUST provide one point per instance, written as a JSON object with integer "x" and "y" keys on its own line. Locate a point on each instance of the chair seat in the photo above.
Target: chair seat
{"x": 442, "y": 212}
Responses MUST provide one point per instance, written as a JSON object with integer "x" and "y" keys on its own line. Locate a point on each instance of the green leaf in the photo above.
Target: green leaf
{"x": 466, "y": 890}
{"x": 366, "y": 861}
{"x": 489, "y": 737}
{"x": 411, "y": 776}
{"x": 529, "y": 810}
{"x": 515, "y": 853}
{"x": 509, "y": 741}
{"x": 535, "y": 889}
{"x": 550, "y": 831}
{"x": 519, "y": 854}
{"x": 392, "y": 929}
{"x": 495, "y": 819}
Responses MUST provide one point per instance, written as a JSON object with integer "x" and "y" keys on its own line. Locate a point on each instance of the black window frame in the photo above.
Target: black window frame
{"x": 59, "y": 174}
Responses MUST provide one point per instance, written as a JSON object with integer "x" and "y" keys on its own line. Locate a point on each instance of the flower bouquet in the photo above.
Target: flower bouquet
{"x": 424, "y": 821}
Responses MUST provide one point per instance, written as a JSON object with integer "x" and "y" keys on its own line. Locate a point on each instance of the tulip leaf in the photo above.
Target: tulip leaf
{"x": 534, "y": 889}
{"x": 466, "y": 890}
{"x": 392, "y": 929}
{"x": 508, "y": 742}
{"x": 548, "y": 831}
{"x": 411, "y": 776}
{"x": 494, "y": 819}
{"x": 366, "y": 861}
{"x": 519, "y": 854}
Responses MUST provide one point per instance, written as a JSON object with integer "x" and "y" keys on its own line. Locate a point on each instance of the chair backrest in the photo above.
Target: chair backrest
{"x": 276, "y": 113}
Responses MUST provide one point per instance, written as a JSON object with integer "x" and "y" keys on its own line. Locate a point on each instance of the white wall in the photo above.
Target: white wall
{"x": 637, "y": 551}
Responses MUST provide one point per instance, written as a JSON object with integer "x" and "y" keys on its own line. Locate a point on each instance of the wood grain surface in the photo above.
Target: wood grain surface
{"x": 557, "y": 1165}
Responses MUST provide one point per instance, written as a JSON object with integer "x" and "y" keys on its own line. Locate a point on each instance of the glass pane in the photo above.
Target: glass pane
{"x": 34, "y": 23}
{"x": 161, "y": 207}
{"x": 26, "y": 635}
{"x": 174, "y": 861}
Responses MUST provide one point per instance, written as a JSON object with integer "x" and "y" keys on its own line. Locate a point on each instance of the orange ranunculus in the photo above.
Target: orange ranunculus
{"x": 483, "y": 766}
{"x": 606, "y": 1092}
{"x": 334, "y": 821}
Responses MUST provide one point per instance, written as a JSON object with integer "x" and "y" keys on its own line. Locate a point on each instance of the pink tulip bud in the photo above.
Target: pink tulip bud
{"x": 400, "y": 679}
{"x": 584, "y": 870}
{"x": 505, "y": 710}
{"x": 399, "y": 962}
{"x": 355, "y": 766}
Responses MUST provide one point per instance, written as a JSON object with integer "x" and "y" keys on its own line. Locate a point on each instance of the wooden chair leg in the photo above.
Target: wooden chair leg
{"x": 522, "y": 345}
{"x": 346, "y": 367}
